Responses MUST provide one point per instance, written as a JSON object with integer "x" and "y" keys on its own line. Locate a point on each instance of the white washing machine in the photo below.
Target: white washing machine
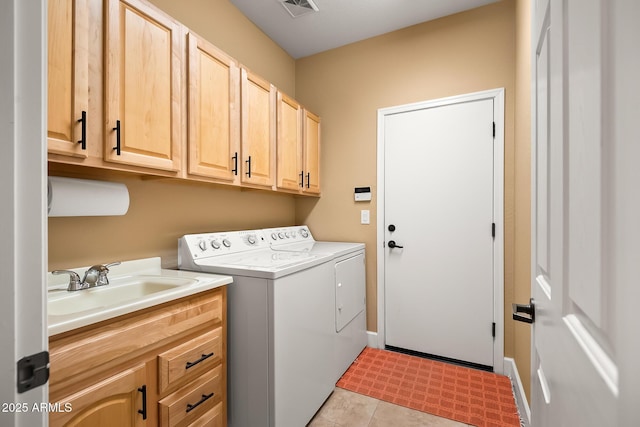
{"x": 349, "y": 282}
{"x": 282, "y": 337}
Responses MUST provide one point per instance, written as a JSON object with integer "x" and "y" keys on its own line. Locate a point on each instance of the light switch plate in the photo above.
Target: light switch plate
{"x": 364, "y": 216}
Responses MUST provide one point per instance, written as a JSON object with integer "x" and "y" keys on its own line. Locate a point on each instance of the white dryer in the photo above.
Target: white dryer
{"x": 349, "y": 282}
{"x": 281, "y": 334}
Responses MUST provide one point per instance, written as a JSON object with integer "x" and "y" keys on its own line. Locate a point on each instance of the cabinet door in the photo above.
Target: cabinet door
{"x": 115, "y": 401}
{"x": 289, "y": 143}
{"x": 258, "y": 130}
{"x": 143, "y": 53}
{"x": 214, "y": 113}
{"x": 68, "y": 76}
{"x": 311, "y": 144}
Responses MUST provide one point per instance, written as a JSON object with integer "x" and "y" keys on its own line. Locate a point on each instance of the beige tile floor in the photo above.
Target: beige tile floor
{"x": 347, "y": 409}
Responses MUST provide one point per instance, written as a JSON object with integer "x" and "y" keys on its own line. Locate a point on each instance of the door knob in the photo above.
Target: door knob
{"x": 392, "y": 244}
{"x": 529, "y": 309}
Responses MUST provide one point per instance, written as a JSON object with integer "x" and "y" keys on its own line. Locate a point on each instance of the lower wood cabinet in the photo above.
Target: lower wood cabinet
{"x": 119, "y": 400}
{"x": 164, "y": 366}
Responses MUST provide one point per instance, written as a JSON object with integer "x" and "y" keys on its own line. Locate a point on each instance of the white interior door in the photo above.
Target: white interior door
{"x": 575, "y": 375}
{"x": 438, "y": 216}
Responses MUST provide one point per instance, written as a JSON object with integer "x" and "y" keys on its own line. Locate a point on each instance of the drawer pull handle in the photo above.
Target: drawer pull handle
{"x": 205, "y": 397}
{"x": 202, "y": 359}
{"x": 83, "y": 120}
{"x": 143, "y": 411}
{"x": 117, "y": 129}
{"x": 235, "y": 164}
{"x": 248, "y": 162}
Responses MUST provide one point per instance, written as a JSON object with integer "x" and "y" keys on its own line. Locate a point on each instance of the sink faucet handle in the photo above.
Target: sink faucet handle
{"x": 97, "y": 274}
{"x": 75, "y": 284}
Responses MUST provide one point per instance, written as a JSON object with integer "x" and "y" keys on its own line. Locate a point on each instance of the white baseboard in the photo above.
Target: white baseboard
{"x": 372, "y": 339}
{"x": 511, "y": 370}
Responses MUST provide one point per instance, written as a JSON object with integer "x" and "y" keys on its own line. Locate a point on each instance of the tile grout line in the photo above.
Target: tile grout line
{"x": 373, "y": 414}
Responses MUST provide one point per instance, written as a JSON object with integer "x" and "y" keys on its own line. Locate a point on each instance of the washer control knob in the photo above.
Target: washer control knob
{"x": 226, "y": 243}
{"x": 304, "y": 233}
{"x": 274, "y": 236}
{"x": 281, "y": 235}
{"x": 202, "y": 245}
{"x": 251, "y": 239}
{"x": 215, "y": 244}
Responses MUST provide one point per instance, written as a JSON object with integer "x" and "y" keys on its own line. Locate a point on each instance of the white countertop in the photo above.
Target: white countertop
{"x": 120, "y": 297}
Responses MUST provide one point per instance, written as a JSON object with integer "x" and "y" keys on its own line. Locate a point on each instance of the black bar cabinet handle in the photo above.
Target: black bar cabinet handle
{"x": 205, "y": 397}
{"x": 235, "y": 164}
{"x": 248, "y": 162}
{"x": 202, "y": 359}
{"x": 143, "y": 411}
{"x": 302, "y": 179}
{"x": 83, "y": 140}
{"x": 117, "y": 129}
{"x": 308, "y": 179}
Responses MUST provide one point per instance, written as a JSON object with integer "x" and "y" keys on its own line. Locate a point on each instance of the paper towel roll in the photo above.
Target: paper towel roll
{"x": 83, "y": 197}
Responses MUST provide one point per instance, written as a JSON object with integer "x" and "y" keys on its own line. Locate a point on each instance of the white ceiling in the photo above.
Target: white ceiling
{"x": 340, "y": 22}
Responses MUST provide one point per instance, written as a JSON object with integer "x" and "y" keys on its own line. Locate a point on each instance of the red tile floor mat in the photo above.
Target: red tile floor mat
{"x": 483, "y": 399}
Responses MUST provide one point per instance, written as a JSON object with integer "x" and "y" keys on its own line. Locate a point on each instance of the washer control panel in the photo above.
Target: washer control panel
{"x": 287, "y": 235}
{"x": 223, "y": 243}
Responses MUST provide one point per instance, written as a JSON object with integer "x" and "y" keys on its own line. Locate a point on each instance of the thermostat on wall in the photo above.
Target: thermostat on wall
{"x": 362, "y": 194}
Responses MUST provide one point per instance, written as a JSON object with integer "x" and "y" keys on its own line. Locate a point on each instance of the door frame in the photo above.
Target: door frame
{"x": 497, "y": 95}
{"x": 23, "y": 174}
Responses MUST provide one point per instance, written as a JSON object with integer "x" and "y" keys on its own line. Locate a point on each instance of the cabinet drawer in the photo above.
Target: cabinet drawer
{"x": 192, "y": 401}
{"x": 187, "y": 361}
{"x": 213, "y": 418}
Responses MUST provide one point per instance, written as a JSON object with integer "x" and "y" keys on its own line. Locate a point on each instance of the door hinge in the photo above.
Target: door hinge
{"x": 494, "y": 129}
{"x": 493, "y": 230}
{"x": 33, "y": 371}
{"x": 493, "y": 329}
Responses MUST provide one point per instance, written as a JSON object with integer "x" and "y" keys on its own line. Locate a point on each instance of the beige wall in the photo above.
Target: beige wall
{"x": 522, "y": 287}
{"x": 467, "y": 52}
{"x": 477, "y": 50}
{"x": 221, "y": 23}
{"x": 162, "y": 210}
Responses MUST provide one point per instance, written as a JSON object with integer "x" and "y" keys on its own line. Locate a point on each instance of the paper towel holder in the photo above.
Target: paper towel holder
{"x": 83, "y": 197}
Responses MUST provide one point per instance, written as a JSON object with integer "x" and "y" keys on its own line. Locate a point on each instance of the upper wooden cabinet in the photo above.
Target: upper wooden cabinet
{"x": 117, "y": 100}
{"x": 214, "y": 112}
{"x": 68, "y": 77}
{"x": 143, "y": 54}
{"x": 289, "y": 143}
{"x": 258, "y": 130}
{"x": 298, "y": 142}
{"x": 311, "y": 153}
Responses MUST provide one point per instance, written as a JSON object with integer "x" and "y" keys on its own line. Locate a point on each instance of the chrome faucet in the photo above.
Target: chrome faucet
{"x": 94, "y": 276}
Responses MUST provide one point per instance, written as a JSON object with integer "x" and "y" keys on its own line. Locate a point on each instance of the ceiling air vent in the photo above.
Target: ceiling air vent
{"x": 299, "y": 7}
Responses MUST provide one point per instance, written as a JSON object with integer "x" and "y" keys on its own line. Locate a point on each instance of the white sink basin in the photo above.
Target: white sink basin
{"x": 117, "y": 292}
{"x": 134, "y": 285}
